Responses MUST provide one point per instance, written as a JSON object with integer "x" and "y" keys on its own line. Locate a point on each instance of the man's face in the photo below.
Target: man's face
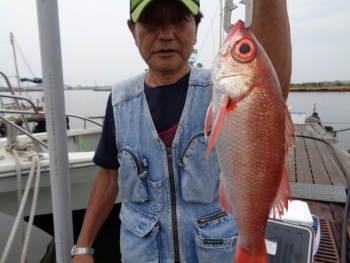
{"x": 165, "y": 35}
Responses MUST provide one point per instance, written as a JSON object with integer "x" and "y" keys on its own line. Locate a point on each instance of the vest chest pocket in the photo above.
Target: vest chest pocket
{"x": 132, "y": 176}
{"x": 199, "y": 176}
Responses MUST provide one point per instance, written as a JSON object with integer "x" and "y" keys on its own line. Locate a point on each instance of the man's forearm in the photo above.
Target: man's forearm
{"x": 102, "y": 199}
{"x": 271, "y": 27}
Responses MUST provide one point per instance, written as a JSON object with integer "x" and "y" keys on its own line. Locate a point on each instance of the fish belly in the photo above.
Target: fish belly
{"x": 251, "y": 155}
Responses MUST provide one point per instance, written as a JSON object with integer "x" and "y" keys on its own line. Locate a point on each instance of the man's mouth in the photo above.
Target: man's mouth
{"x": 166, "y": 52}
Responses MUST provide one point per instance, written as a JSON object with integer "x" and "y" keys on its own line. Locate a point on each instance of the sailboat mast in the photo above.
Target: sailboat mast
{"x": 14, "y": 56}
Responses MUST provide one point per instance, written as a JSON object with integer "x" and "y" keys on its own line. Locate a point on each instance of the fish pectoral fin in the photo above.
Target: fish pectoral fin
{"x": 283, "y": 194}
{"x": 231, "y": 105}
{"x": 208, "y": 120}
{"x": 218, "y": 123}
{"x": 224, "y": 201}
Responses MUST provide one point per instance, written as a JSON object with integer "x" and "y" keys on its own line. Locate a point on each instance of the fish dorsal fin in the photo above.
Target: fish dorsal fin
{"x": 283, "y": 194}
{"x": 289, "y": 129}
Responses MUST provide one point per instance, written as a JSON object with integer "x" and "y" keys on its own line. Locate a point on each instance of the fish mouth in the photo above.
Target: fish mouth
{"x": 232, "y": 75}
{"x": 224, "y": 78}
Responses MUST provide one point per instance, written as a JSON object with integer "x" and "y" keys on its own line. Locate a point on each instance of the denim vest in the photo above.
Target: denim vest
{"x": 171, "y": 208}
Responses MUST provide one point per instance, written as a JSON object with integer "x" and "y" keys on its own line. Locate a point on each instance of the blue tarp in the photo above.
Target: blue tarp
{"x": 35, "y": 80}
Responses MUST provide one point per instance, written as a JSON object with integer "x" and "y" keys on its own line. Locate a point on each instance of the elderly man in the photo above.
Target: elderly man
{"x": 152, "y": 147}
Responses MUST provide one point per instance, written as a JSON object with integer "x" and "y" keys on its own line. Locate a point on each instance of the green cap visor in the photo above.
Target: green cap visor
{"x": 138, "y": 6}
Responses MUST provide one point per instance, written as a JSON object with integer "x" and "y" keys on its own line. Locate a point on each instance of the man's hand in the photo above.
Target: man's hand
{"x": 102, "y": 199}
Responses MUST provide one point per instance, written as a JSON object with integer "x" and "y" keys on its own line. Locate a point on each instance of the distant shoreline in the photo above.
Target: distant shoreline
{"x": 291, "y": 89}
{"x": 320, "y": 89}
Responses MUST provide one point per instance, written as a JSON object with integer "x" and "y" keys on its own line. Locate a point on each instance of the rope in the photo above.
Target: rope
{"x": 34, "y": 158}
{"x": 35, "y": 164}
{"x": 15, "y": 148}
{"x": 19, "y": 188}
{"x": 342, "y": 130}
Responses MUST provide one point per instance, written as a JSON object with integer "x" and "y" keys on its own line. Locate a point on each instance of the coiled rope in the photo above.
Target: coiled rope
{"x": 34, "y": 157}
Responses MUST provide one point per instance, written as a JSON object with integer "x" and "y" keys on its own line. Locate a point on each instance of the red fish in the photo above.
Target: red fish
{"x": 252, "y": 131}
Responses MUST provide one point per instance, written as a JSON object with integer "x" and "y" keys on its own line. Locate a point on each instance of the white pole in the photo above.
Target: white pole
{"x": 221, "y": 25}
{"x": 51, "y": 60}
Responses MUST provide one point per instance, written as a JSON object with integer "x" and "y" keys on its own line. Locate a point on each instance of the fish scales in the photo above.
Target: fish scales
{"x": 251, "y": 166}
{"x": 251, "y": 140}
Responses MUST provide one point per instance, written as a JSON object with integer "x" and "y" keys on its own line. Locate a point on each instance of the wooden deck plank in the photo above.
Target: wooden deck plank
{"x": 290, "y": 165}
{"x": 296, "y": 127}
{"x": 344, "y": 159}
{"x": 319, "y": 173}
{"x": 300, "y": 128}
{"x": 302, "y": 161}
{"x": 315, "y": 123}
{"x": 309, "y": 128}
{"x": 331, "y": 166}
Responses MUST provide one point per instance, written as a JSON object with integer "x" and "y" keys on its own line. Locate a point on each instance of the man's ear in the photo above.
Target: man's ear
{"x": 195, "y": 37}
{"x": 131, "y": 26}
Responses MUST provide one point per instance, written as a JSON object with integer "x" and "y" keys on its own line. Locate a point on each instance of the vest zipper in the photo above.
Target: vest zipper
{"x": 211, "y": 218}
{"x": 189, "y": 143}
{"x": 136, "y": 160}
{"x": 173, "y": 205}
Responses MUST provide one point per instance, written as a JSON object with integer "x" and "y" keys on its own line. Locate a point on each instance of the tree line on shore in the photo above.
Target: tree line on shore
{"x": 336, "y": 83}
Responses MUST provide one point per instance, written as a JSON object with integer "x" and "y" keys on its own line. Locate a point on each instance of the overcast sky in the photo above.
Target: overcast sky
{"x": 97, "y": 46}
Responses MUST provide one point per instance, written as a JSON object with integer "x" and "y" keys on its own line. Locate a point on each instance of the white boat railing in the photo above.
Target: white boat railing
{"x": 35, "y": 111}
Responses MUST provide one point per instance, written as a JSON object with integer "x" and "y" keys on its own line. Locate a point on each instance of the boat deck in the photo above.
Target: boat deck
{"x": 316, "y": 177}
{"x": 311, "y": 161}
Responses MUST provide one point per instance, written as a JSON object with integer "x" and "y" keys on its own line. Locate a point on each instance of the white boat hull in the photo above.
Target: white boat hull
{"x": 82, "y": 172}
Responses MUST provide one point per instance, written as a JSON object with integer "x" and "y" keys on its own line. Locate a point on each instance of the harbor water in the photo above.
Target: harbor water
{"x": 333, "y": 108}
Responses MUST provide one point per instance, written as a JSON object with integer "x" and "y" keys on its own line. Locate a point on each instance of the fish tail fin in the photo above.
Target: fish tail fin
{"x": 224, "y": 202}
{"x": 218, "y": 124}
{"x": 208, "y": 120}
{"x": 283, "y": 194}
{"x": 242, "y": 255}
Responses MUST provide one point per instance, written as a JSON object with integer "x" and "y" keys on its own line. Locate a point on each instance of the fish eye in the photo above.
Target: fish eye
{"x": 244, "y": 50}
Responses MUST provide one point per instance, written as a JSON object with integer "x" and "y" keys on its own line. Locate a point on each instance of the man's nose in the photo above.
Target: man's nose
{"x": 166, "y": 31}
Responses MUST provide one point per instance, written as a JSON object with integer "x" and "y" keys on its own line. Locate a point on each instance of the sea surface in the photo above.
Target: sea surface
{"x": 333, "y": 109}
